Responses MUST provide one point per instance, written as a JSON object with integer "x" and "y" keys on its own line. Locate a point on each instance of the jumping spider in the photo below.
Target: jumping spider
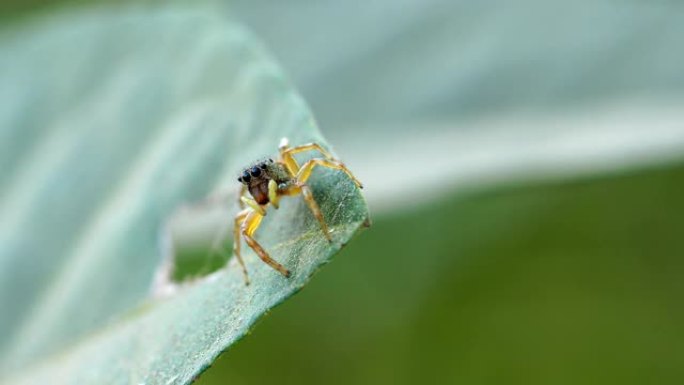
{"x": 267, "y": 181}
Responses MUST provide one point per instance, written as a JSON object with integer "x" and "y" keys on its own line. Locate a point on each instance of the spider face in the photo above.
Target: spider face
{"x": 257, "y": 177}
{"x": 267, "y": 181}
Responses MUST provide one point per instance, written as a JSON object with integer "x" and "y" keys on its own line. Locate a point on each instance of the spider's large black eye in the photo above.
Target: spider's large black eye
{"x": 262, "y": 166}
{"x": 255, "y": 171}
{"x": 245, "y": 177}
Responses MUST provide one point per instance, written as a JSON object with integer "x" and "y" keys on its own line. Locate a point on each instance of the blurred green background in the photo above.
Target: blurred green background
{"x": 524, "y": 171}
{"x": 556, "y": 283}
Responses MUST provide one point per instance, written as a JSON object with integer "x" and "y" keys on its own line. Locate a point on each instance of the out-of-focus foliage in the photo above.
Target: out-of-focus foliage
{"x": 110, "y": 119}
{"x": 416, "y": 61}
{"x": 489, "y": 91}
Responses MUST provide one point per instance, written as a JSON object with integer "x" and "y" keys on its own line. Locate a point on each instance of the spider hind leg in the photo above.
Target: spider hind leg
{"x": 302, "y": 174}
{"x": 287, "y": 154}
{"x": 305, "y": 171}
{"x": 305, "y": 190}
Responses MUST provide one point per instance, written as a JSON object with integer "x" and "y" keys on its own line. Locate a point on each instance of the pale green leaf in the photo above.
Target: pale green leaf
{"x": 111, "y": 119}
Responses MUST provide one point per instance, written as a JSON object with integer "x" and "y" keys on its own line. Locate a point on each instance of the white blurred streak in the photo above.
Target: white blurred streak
{"x": 436, "y": 160}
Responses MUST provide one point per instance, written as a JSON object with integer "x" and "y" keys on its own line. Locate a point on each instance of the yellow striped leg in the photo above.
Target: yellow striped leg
{"x": 249, "y": 226}
{"x": 239, "y": 219}
{"x": 305, "y": 172}
{"x": 311, "y": 202}
{"x": 308, "y": 147}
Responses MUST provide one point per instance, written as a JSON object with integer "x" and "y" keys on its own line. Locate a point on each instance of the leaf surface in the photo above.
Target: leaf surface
{"x": 112, "y": 118}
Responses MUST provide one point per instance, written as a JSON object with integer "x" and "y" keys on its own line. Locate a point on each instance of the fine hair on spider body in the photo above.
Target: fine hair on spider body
{"x": 266, "y": 181}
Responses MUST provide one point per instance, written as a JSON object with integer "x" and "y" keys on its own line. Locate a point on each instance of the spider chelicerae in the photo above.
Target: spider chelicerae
{"x": 267, "y": 181}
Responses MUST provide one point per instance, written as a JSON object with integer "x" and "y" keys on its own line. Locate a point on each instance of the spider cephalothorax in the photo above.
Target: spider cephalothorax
{"x": 257, "y": 177}
{"x": 268, "y": 180}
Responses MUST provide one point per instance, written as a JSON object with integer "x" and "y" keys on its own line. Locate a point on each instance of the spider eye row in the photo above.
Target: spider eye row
{"x": 253, "y": 172}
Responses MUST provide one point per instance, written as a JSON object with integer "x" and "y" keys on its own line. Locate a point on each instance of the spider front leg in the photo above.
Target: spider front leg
{"x": 249, "y": 226}
{"x": 253, "y": 204}
{"x": 239, "y": 220}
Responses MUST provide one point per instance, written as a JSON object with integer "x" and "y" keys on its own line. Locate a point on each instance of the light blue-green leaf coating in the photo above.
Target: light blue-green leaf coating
{"x": 111, "y": 118}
